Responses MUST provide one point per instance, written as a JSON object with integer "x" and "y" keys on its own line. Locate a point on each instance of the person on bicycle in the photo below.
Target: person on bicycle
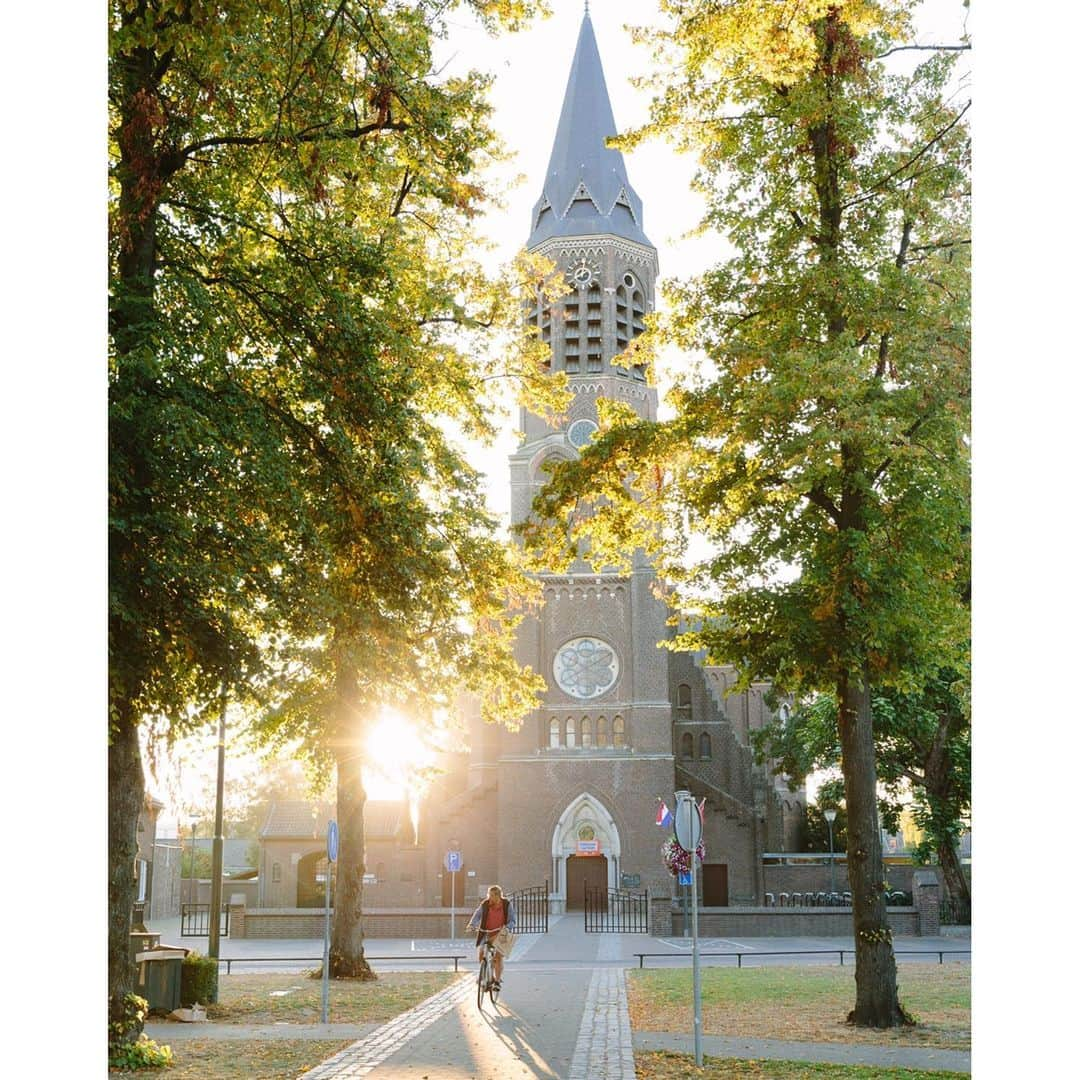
{"x": 488, "y": 919}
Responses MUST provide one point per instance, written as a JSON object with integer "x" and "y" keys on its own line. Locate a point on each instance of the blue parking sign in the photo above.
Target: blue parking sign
{"x": 685, "y": 878}
{"x": 453, "y": 861}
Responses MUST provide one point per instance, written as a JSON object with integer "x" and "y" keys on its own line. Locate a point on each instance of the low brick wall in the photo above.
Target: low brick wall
{"x": 788, "y": 922}
{"x": 277, "y": 923}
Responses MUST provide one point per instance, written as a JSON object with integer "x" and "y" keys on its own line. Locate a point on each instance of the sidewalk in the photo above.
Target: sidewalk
{"x": 562, "y": 1014}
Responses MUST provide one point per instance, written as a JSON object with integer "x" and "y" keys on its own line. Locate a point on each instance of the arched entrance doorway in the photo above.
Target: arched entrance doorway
{"x": 585, "y": 850}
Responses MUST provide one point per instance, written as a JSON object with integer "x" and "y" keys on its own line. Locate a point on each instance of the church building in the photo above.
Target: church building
{"x": 570, "y": 798}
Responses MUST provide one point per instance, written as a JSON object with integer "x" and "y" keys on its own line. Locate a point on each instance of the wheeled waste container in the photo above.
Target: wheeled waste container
{"x": 157, "y": 977}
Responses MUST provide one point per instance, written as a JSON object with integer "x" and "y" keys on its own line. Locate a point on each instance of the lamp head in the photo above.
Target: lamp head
{"x": 830, "y": 815}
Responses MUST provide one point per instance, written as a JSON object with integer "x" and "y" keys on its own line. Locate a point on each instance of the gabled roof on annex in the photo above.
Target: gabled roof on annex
{"x": 300, "y": 820}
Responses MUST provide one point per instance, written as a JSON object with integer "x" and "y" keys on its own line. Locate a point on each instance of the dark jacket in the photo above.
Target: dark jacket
{"x": 479, "y": 916}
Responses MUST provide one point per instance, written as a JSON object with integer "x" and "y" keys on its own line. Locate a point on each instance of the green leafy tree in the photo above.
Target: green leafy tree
{"x": 923, "y": 746}
{"x": 289, "y": 189}
{"x": 821, "y": 447}
{"x": 830, "y": 796}
{"x": 203, "y": 863}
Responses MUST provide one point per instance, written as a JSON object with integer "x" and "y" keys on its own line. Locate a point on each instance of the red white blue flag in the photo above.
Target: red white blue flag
{"x": 663, "y": 815}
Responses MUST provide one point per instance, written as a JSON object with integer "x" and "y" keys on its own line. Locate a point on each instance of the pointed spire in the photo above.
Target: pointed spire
{"x": 586, "y": 189}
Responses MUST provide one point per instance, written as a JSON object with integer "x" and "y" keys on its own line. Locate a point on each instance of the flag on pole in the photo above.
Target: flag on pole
{"x": 663, "y": 814}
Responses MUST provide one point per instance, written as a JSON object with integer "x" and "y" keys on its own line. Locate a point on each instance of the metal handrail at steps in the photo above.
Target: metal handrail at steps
{"x": 228, "y": 961}
{"x": 939, "y": 953}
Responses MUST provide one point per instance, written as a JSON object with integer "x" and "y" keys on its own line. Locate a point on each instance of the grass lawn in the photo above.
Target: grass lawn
{"x": 242, "y": 1059}
{"x": 297, "y": 999}
{"x": 666, "y": 1066}
{"x": 803, "y": 1004}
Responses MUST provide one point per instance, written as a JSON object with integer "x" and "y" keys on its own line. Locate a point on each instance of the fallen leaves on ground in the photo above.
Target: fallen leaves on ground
{"x": 232, "y": 1059}
{"x": 296, "y": 998}
{"x": 663, "y": 1065}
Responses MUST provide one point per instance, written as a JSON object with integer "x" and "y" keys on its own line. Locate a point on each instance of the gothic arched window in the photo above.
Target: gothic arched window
{"x": 705, "y": 746}
{"x": 618, "y": 732}
{"x": 601, "y": 731}
{"x": 683, "y": 707}
{"x": 571, "y": 736}
{"x": 686, "y": 745}
{"x": 586, "y": 732}
{"x": 553, "y": 732}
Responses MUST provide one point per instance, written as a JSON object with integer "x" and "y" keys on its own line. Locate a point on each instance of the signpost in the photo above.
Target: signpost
{"x": 684, "y": 880}
{"x": 453, "y": 866}
{"x": 331, "y": 858}
{"x": 688, "y": 825}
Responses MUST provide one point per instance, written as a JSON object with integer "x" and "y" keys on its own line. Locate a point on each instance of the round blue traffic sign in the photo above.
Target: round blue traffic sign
{"x": 332, "y": 841}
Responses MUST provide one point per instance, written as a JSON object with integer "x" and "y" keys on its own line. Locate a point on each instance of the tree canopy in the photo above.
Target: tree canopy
{"x": 295, "y": 353}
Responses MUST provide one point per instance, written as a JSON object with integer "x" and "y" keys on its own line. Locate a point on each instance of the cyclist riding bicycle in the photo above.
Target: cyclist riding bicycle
{"x": 490, "y": 917}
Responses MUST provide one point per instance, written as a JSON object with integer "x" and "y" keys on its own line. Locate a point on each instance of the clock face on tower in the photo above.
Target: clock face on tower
{"x": 586, "y": 667}
{"x": 584, "y": 271}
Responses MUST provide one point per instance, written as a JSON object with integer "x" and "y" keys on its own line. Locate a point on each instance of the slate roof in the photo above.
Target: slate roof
{"x": 298, "y": 820}
{"x": 586, "y": 190}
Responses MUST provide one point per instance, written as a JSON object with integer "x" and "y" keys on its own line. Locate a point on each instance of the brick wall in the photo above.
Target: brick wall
{"x": 928, "y": 901}
{"x": 270, "y": 924}
{"x": 788, "y": 922}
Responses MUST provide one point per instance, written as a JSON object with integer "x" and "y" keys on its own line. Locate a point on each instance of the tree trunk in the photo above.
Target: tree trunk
{"x": 955, "y": 880}
{"x": 347, "y": 936}
{"x": 876, "y": 997}
{"x": 125, "y": 801}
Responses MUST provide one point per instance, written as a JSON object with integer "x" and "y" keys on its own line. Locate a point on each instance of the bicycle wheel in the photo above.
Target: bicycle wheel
{"x": 483, "y": 978}
{"x": 493, "y": 993}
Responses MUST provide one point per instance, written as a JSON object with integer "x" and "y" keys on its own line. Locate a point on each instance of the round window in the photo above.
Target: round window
{"x": 628, "y": 280}
{"x": 586, "y": 832}
{"x": 580, "y": 432}
{"x": 586, "y": 667}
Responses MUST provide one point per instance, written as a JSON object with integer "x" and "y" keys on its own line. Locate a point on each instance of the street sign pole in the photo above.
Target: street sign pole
{"x": 452, "y": 863}
{"x": 331, "y": 858}
{"x": 688, "y": 826}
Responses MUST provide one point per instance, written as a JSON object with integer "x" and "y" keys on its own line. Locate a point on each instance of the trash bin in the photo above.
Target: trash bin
{"x": 158, "y": 977}
{"x": 143, "y": 941}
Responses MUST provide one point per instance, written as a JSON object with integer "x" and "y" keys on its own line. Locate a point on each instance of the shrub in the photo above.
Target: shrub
{"x": 198, "y": 980}
{"x": 138, "y": 1053}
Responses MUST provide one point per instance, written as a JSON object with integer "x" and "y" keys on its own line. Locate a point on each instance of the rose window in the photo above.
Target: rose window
{"x": 586, "y": 667}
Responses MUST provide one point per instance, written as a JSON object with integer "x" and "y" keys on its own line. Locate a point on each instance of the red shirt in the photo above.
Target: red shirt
{"x": 496, "y": 916}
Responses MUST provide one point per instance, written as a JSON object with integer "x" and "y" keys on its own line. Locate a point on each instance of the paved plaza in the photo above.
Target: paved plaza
{"x": 562, "y": 1014}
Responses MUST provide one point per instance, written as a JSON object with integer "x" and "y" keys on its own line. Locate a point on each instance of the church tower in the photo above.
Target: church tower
{"x": 570, "y": 797}
{"x": 578, "y": 782}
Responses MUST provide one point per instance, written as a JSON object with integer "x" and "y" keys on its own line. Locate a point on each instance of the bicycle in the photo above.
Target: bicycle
{"x": 485, "y": 977}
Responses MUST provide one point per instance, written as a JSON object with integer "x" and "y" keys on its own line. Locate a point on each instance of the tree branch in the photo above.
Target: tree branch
{"x": 923, "y": 48}
{"x": 171, "y": 163}
{"x": 873, "y": 188}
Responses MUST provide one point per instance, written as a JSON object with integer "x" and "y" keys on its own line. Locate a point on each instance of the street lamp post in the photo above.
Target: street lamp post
{"x": 830, "y": 817}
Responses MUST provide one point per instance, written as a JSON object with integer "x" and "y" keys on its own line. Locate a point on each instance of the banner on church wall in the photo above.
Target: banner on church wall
{"x": 588, "y": 847}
